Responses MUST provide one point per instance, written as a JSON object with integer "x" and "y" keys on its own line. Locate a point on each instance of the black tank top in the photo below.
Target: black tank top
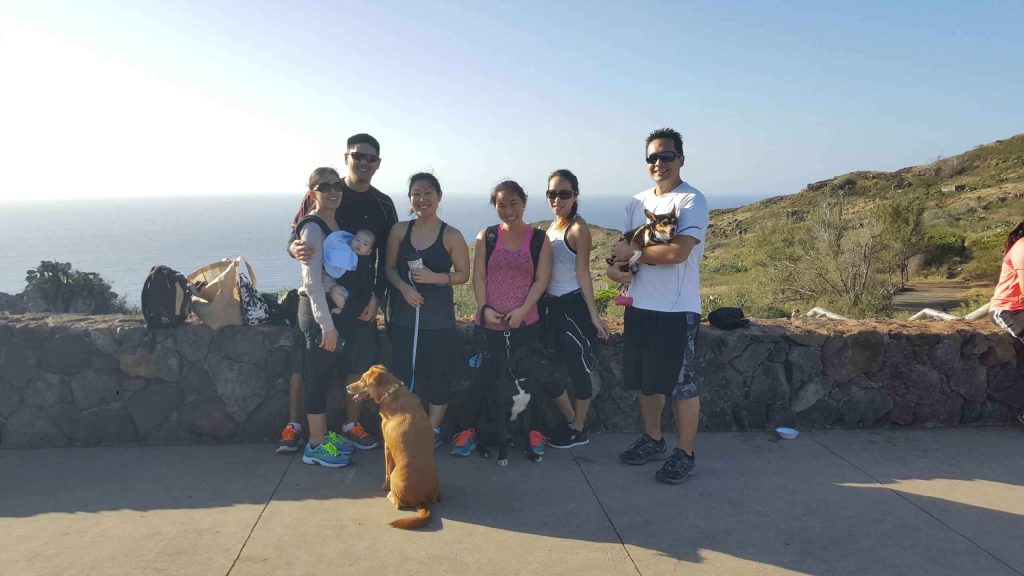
{"x": 438, "y": 309}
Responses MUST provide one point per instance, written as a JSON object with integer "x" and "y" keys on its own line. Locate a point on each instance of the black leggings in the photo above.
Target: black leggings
{"x": 319, "y": 364}
{"x": 570, "y": 333}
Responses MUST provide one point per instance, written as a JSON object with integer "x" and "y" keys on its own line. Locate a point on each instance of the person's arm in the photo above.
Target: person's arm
{"x": 675, "y": 252}
{"x": 488, "y": 315}
{"x": 409, "y": 292}
{"x": 540, "y": 284}
{"x": 578, "y": 237}
{"x": 312, "y": 283}
{"x": 391, "y": 218}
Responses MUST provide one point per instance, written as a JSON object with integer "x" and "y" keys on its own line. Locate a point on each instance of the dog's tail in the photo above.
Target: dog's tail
{"x": 419, "y": 521}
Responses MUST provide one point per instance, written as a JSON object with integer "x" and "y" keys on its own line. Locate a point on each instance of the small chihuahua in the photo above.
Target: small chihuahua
{"x": 660, "y": 229}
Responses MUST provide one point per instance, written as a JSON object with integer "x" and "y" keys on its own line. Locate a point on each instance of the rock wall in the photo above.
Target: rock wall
{"x": 77, "y": 380}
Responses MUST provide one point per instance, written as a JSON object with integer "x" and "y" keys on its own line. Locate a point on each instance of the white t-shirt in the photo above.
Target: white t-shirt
{"x": 670, "y": 287}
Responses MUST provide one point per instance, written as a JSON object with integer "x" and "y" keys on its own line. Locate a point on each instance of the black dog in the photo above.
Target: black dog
{"x": 531, "y": 368}
{"x": 660, "y": 229}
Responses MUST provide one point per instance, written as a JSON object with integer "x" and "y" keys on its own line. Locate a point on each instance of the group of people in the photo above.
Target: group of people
{"x": 530, "y": 287}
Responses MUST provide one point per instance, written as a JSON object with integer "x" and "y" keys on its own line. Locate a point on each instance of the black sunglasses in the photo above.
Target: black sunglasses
{"x": 560, "y": 194}
{"x": 324, "y": 187}
{"x": 669, "y": 156}
{"x": 360, "y": 157}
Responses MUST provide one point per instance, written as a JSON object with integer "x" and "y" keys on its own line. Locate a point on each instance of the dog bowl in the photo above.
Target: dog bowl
{"x": 787, "y": 433}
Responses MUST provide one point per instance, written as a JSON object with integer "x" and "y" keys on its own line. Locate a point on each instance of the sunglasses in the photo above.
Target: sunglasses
{"x": 360, "y": 157}
{"x": 560, "y": 194}
{"x": 665, "y": 157}
{"x": 325, "y": 187}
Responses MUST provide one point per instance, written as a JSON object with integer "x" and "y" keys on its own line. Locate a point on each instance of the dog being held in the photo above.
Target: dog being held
{"x": 526, "y": 374}
{"x": 410, "y": 474}
{"x": 660, "y": 229}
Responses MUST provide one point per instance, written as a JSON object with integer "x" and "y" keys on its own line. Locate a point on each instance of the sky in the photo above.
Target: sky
{"x": 115, "y": 99}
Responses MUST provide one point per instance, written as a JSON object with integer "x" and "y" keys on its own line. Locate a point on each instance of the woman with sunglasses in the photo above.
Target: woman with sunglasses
{"x": 418, "y": 262}
{"x": 507, "y": 284}
{"x": 571, "y": 321}
{"x": 317, "y": 324}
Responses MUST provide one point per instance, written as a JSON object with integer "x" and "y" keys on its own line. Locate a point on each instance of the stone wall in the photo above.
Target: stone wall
{"x": 75, "y": 380}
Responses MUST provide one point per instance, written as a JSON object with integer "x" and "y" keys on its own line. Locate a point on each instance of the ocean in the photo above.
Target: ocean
{"x": 121, "y": 239}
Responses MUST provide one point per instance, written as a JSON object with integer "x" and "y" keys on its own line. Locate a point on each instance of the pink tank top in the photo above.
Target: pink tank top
{"x": 509, "y": 277}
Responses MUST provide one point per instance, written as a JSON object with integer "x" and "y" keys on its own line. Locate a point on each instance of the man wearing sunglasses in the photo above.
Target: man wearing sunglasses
{"x": 362, "y": 207}
{"x": 660, "y": 327}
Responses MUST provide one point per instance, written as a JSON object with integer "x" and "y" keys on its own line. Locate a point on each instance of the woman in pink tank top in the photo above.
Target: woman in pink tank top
{"x": 507, "y": 287}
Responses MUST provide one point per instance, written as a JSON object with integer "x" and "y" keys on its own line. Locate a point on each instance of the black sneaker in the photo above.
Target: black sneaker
{"x": 677, "y": 468}
{"x": 643, "y": 451}
{"x": 568, "y": 437}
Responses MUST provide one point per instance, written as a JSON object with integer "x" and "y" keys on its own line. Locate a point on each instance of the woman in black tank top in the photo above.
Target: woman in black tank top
{"x": 424, "y": 258}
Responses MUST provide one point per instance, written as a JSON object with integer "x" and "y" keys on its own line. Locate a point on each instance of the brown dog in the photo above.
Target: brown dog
{"x": 660, "y": 229}
{"x": 409, "y": 470}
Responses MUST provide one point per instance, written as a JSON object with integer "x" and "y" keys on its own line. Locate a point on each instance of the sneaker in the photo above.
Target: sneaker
{"x": 677, "y": 468}
{"x": 325, "y": 455}
{"x": 339, "y": 442}
{"x": 464, "y": 442}
{"x": 291, "y": 439}
{"x": 1020, "y": 417}
{"x": 643, "y": 451}
{"x": 536, "y": 442}
{"x": 569, "y": 437}
{"x": 359, "y": 437}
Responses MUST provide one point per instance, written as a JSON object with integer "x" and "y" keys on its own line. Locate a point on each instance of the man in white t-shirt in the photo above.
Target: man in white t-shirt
{"x": 660, "y": 331}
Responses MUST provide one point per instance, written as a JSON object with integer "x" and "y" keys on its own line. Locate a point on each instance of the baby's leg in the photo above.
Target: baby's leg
{"x": 338, "y": 296}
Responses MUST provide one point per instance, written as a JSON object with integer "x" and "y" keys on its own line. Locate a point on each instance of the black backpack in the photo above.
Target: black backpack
{"x": 728, "y": 318}
{"x": 166, "y": 298}
{"x": 537, "y": 240}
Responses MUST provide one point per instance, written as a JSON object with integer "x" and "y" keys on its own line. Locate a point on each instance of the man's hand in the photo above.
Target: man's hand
{"x": 622, "y": 250}
{"x": 301, "y": 251}
{"x": 370, "y": 311}
{"x": 616, "y": 275}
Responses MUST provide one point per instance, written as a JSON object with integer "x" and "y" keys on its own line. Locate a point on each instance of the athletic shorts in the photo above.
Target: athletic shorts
{"x": 1011, "y": 320}
{"x": 360, "y": 343}
{"x": 659, "y": 352}
{"x": 435, "y": 358}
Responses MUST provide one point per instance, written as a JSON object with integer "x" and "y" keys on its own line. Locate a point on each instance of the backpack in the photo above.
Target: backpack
{"x": 728, "y": 318}
{"x": 537, "y": 240}
{"x": 166, "y": 298}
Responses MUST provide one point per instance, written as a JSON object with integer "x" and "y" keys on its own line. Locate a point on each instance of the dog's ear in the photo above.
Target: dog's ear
{"x": 651, "y": 216}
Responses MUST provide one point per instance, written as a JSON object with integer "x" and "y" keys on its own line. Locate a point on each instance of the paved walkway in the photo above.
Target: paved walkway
{"x": 831, "y": 502}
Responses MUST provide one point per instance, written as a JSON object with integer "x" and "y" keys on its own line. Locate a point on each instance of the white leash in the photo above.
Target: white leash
{"x": 415, "y": 338}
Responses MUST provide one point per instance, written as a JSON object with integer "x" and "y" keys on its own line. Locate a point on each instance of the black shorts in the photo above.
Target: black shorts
{"x": 435, "y": 358}
{"x": 659, "y": 352}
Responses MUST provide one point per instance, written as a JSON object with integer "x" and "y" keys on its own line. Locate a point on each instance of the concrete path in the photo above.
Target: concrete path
{"x": 831, "y": 502}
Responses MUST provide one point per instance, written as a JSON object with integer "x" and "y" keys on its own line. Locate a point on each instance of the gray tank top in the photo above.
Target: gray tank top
{"x": 563, "y": 263}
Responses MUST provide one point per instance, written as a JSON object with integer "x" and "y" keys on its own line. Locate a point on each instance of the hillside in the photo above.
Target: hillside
{"x": 971, "y": 201}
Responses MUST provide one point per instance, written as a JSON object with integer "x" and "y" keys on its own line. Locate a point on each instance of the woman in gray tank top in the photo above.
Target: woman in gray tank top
{"x": 570, "y": 319}
{"x": 423, "y": 259}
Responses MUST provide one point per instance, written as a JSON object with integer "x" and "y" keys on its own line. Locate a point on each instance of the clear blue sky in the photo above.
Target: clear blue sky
{"x": 218, "y": 97}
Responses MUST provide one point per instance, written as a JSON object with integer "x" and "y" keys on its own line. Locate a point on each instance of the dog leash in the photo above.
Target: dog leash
{"x": 415, "y": 339}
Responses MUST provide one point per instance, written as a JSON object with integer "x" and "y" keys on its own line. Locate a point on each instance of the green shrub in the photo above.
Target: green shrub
{"x": 941, "y": 247}
{"x": 604, "y": 297}
{"x": 57, "y": 287}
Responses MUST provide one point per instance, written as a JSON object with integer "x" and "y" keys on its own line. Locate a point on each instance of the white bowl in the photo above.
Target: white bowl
{"x": 787, "y": 433}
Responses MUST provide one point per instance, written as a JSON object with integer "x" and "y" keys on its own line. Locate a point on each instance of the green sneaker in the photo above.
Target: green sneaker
{"x": 339, "y": 441}
{"x": 325, "y": 455}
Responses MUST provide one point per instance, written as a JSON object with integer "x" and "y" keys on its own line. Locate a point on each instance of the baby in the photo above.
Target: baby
{"x": 362, "y": 245}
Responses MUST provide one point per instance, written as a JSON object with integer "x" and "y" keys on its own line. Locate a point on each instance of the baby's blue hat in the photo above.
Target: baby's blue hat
{"x": 338, "y": 254}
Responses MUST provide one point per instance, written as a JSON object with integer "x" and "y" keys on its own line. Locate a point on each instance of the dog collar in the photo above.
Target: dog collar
{"x": 394, "y": 387}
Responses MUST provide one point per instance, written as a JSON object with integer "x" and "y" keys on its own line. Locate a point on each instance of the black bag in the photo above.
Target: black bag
{"x": 166, "y": 298}
{"x": 727, "y": 318}
{"x": 284, "y": 309}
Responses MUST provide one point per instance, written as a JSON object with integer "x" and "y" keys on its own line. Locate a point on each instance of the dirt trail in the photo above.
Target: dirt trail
{"x": 937, "y": 294}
